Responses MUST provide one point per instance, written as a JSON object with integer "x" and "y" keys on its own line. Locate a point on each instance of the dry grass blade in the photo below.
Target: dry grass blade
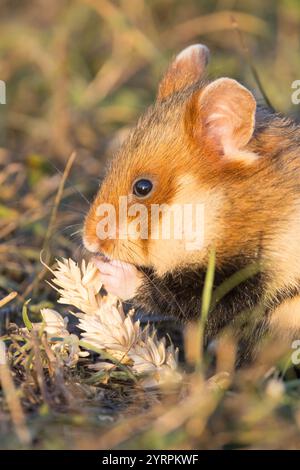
{"x": 39, "y": 367}
{"x": 58, "y": 199}
{"x": 217, "y": 21}
{"x": 8, "y": 298}
{"x": 12, "y": 399}
{"x": 248, "y": 57}
{"x": 51, "y": 225}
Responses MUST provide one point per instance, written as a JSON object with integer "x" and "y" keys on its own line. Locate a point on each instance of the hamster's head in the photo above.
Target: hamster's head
{"x": 162, "y": 202}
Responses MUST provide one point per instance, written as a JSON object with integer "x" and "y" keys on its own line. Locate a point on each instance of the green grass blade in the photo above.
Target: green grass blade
{"x": 25, "y": 317}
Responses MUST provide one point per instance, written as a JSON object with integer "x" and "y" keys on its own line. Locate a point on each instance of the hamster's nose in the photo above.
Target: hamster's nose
{"x": 92, "y": 246}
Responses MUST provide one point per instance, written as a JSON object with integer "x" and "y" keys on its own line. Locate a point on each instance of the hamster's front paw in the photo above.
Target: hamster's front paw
{"x": 119, "y": 278}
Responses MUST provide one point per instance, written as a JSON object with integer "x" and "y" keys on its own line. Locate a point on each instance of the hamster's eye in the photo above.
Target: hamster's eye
{"x": 142, "y": 187}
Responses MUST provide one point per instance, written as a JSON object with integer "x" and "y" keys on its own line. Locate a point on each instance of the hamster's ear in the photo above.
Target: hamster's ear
{"x": 223, "y": 114}
{"x": 186, "y": 69}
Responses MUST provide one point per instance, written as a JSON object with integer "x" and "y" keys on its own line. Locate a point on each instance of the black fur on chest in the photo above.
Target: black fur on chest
{"x": 243, "y": 308}
{"x": 178, "y": 294}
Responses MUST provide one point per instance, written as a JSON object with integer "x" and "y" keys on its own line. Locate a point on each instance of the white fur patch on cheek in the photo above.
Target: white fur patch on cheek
{"x": 197, "y": 223}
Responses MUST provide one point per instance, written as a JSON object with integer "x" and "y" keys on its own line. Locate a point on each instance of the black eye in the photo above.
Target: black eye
{"x": 142, "y": 188}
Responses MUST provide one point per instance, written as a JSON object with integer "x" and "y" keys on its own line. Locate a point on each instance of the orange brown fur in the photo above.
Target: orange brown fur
{"x": 251, "y": 195}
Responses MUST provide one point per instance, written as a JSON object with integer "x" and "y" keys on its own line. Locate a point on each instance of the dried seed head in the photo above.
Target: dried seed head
{"x": 105, "y": 326}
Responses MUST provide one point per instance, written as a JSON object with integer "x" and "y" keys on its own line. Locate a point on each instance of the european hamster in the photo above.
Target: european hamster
{"x": 205, "y": 144}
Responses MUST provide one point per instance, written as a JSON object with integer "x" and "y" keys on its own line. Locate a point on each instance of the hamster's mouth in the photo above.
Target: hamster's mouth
{"x": 96, "y": 253}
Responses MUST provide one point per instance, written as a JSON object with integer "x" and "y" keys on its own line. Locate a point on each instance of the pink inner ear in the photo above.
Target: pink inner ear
{"x": 228, "y": 113}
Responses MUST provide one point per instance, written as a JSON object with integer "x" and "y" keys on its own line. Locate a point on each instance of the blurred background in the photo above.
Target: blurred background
{"x": 78, "y": 73}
